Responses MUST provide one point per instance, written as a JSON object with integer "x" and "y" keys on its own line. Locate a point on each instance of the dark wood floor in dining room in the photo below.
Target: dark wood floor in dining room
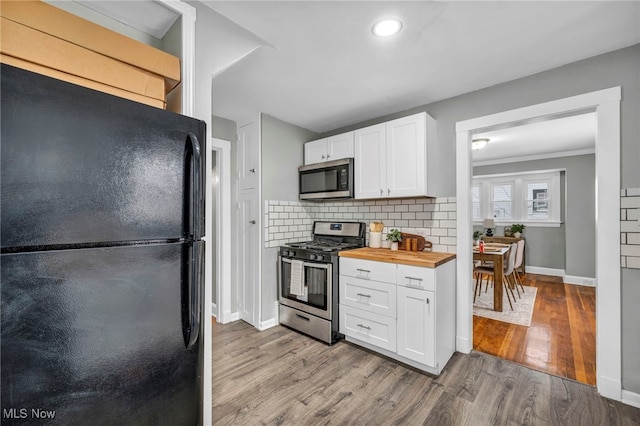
{"x": 281, "y": 377}
{"x": 561, "y": 339}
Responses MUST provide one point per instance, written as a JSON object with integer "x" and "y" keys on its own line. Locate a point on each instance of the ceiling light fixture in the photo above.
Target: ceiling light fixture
{"x": 387, "y": 27}
{"x": 479, "y": 144}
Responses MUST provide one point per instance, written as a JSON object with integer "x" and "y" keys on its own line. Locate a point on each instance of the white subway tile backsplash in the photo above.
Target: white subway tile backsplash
{"x": 440, "y": 232}
{"x": 632, "y": 238}
{"x": 633, "y": 262}
{"x": 630, "y": 228}
{"x": 630, "y": 250}
{"x": 630, "y": 202}
{"x": 433, "y": 218}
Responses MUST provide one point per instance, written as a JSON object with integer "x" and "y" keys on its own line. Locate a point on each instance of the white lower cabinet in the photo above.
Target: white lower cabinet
{"x": 416, "y": 325}
{"x": 377, "y": 330}
{"x": 404, "y": 312}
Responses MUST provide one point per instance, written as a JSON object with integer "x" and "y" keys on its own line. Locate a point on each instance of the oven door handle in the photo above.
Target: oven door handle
{"x": 311, "y": 265}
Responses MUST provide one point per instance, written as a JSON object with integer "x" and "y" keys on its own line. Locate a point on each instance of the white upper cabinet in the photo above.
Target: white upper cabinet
{"x": 407, "y": 156}
{"x": 370, "y": 171}
{"x": 391, "y": 158}
{"x": 315, "y": 151}
{"x": 329, "y": 149}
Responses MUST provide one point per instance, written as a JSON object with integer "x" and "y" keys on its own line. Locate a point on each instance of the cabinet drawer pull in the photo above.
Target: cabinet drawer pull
{"x": 363, "y": 295}
{"x": 364, "y": 326}
{"x": 427, "y": 300}
{"x": 363, "y": 270}
{"x": 413, "y": 278}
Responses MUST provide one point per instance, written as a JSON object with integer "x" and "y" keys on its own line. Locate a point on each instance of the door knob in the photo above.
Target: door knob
{"x": 253, "y": 222}
{"x": 252, "y": 170}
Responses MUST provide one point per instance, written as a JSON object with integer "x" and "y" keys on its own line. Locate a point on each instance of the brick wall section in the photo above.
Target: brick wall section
{"x": 433, "y": 218}
{"x": 630, "y": 228}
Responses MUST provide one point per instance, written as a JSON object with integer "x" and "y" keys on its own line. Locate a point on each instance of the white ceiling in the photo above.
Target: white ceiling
{"x": 553, "y": 138}
{"x": 320, "y": 68}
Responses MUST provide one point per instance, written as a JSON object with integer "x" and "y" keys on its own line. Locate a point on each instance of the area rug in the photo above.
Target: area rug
{"x": 522, "y": 308}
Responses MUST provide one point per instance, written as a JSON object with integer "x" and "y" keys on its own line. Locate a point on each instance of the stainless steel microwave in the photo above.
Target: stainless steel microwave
{"x": 326, "y": 181}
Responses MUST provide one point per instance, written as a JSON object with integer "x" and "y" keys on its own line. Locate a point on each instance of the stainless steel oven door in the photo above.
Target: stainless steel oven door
{"x": 316, "y": 297}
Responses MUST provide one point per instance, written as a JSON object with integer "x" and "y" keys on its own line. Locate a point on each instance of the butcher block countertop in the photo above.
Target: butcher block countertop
{"x": 426, "y": 259}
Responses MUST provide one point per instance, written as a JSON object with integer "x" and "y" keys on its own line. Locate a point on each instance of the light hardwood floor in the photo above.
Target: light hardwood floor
{"x": 561, "y": 339}
{"x": 281, "y": 377}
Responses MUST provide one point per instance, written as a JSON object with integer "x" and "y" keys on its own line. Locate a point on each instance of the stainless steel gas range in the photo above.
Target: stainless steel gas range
{"x": 308, "y": 278}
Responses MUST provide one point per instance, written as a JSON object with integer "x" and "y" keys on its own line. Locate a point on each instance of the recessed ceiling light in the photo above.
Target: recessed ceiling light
{"x": 387, "y": 27}
{"x": 479, "y": 143}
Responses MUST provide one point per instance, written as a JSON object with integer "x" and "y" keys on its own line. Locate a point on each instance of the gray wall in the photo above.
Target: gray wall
{"x": 224, "y": 129}
{"x": 572, "y": 246}
{"x": 282, "y": 153}
{"x": 618, "y": 68}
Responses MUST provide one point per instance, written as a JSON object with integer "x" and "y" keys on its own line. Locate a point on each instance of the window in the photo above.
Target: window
{"x": 537, "y": 202}
{"x": 528, "y": 197}
{"x": 501, "y": 201}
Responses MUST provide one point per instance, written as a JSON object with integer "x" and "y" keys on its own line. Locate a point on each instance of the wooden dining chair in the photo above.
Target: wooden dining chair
{"x": 507, "y": 271}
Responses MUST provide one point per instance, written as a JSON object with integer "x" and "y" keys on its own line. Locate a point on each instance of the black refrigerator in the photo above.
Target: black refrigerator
{"x": 102, "y": 219}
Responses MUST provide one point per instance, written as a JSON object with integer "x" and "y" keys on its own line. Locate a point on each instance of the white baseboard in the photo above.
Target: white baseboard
{"x": 545, "y": 271}
{"x": 214, "y": 310}
{"x": 271, "y": 322}
{"x": 609, "y": 388}
{"x": 567, "y": 279}
{"x": 572, "y": 279}
{"x": 228, "y": 317}
{"x": 631, "y": 398}
{"x": 462, "y": 345}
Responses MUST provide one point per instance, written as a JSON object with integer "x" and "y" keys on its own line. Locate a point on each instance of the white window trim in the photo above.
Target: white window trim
{"x": 519, "y": 200}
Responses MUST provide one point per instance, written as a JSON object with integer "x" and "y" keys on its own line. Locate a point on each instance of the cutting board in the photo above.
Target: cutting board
{"x": 422, "y": 243}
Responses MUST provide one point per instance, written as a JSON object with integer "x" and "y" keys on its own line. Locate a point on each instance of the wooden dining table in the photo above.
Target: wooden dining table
{"x": 496, "y": 253}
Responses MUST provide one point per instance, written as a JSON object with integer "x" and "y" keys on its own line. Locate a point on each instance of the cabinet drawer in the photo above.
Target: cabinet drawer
{"x": 368, "y": 270}
{"x": 416, "y": 277}
{"x": 368, "y": 327}
{"x": 371, "y": 296}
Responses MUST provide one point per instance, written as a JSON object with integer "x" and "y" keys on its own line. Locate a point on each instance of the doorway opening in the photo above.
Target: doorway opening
{"x": 541, "y": 175}
{"x": 218, "y": 205}
{"x": 606, "y": 105}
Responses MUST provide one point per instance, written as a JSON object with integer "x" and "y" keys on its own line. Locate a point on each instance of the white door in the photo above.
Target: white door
{"x": 370, "y": 169}
{"x": 406, "y": 156}
{"x": 315, "y": 151}
{"x": 247, "y": 255}
{"x": 416, "y": 325}
{"x": 340, "y": 146}
{"x": 248, "y": 152}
